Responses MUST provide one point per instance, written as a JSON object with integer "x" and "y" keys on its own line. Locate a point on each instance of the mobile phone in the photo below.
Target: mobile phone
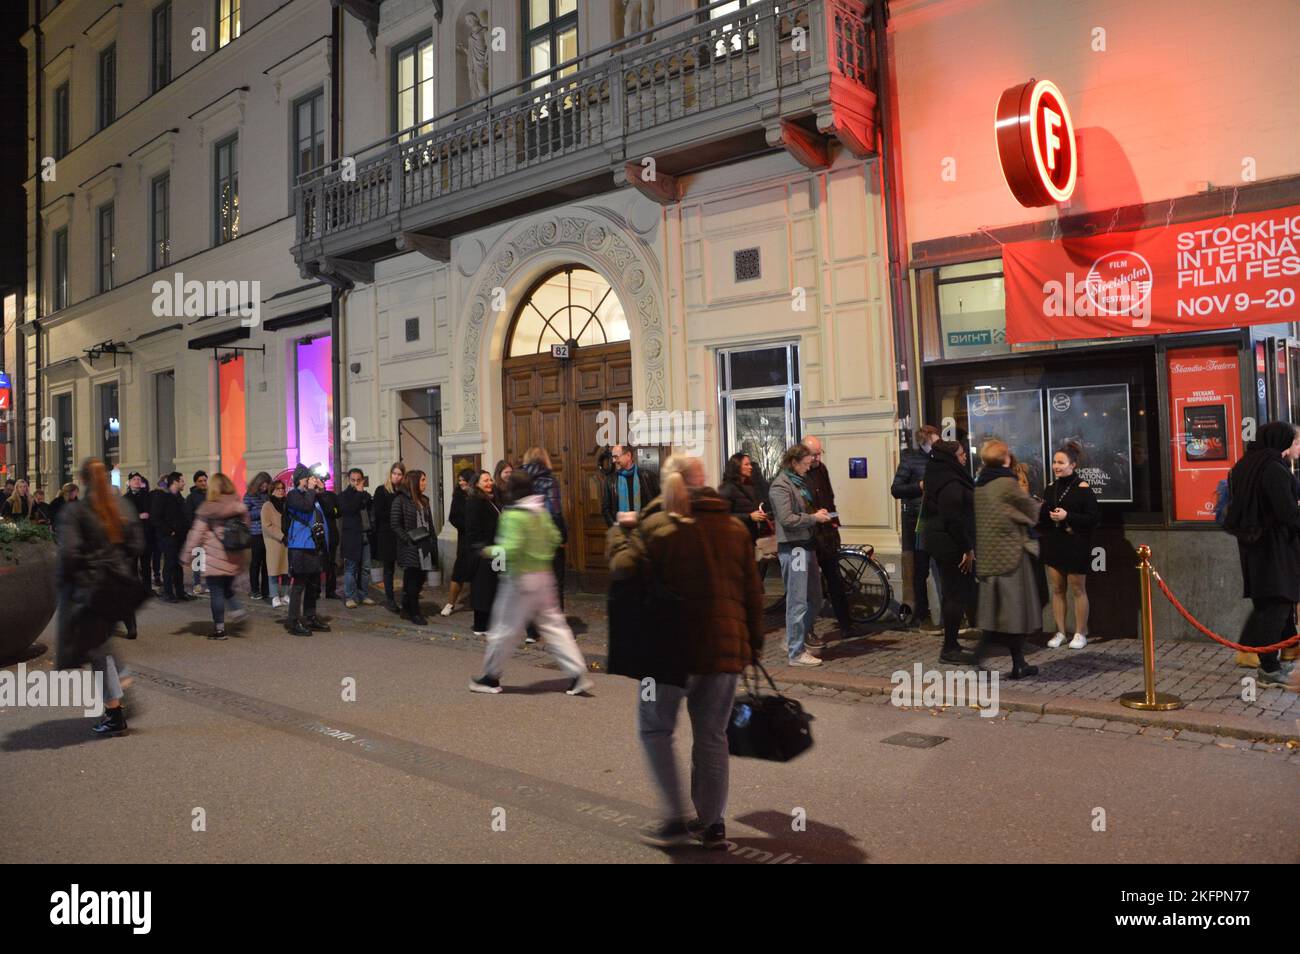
{"x": 834, "y": 515}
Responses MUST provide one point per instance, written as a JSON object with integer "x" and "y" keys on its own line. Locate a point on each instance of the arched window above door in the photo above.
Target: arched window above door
{"x": 573, "y": 304}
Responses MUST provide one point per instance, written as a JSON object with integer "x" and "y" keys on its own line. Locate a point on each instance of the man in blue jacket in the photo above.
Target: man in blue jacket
{"x": 307, "y": 537}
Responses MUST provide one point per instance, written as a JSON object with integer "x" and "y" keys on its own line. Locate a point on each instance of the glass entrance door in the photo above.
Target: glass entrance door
{"x": 759, "y": 397}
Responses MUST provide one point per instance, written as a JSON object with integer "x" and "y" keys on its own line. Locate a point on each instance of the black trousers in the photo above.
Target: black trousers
{"x": 331, "y": 568}
{"x": 958, "y": 597}
{"x": 172, "y": 576}
{"x": 829, "y": 563}
{"x": 412, "y": 584}
{"x": 1014, "y": 642}
{"x": 920, "y": 568}
{"x": 257, "y": 566}
{"x": 390, "y": 570}
{"x": 303, "y": 595}
{"x": 1271, "y": 621}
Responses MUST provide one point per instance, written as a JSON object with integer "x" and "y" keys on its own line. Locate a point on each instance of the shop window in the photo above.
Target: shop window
{"x": 576, "y": 304}
{"x": 110, "y": 426}
{"x": 232, "y": 419}
{"x": 1107, "y": 402}
{"x": 759, "y": 403}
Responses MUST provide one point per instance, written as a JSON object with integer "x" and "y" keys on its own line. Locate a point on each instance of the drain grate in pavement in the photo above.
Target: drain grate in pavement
{"x": 915, "y": 740}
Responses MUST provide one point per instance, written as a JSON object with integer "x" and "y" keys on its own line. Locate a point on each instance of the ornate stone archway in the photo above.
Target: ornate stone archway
{"x": 595, "y": 237}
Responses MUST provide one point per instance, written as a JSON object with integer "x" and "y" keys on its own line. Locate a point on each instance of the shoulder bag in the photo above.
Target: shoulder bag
{"x": 774, "y": 728}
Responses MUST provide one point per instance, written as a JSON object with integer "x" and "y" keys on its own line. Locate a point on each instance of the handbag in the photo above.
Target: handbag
{"x": 775, "y": 728}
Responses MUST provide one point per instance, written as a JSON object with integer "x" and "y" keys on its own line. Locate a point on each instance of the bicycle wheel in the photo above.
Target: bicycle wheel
{"x": 866, "y": 585}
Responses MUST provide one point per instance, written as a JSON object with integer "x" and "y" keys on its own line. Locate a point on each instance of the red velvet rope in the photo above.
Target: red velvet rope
{"x": 1215, "y": 636}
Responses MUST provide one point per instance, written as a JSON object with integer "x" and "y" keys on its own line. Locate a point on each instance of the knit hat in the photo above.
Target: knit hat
{"x": 301, "y": 473}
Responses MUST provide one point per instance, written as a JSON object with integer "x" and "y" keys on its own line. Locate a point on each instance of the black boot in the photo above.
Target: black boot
{"x": 297, "y": 627}
{"x": 316, "y": 624}
{"x": 113, "y": 723}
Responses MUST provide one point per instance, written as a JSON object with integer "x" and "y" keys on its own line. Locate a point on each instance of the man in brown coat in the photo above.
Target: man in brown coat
{"x": 698, "y": 562}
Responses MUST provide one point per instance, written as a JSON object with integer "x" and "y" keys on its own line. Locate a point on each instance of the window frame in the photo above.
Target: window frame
{"x": 60, "y": 293}
{"x": 62, "y": 104}
{"x": 160, "y": 60}
{"x": 727, "y": 396}
{"x": 106, "y": 94}
{"x": 411, "y": 45}
{"x": 554, "y": 26}
{"x": 218, "y": 232}
{"x": 234, "y": 16}
{"x": 155, "y": 263}
{"x": 105, "y": 255}
{"x": 320, "y": 126}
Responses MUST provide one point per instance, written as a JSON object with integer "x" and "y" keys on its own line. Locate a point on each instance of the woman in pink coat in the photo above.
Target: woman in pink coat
{"x": 206, "y": 543}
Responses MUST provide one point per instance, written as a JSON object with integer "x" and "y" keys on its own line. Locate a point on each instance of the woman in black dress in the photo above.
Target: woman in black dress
{"x": 462, "y": 571}
{"x": 481, "y": 514}
{"x": 385, "y": 537}
{"x": 1069, "y": 513}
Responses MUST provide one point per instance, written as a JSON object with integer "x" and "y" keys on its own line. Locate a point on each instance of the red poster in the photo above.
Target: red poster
{"x": 1205, "y": 417}
{"x": 1214, "y": 273}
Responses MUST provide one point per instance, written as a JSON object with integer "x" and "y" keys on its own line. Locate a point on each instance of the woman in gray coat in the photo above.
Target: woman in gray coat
{"x": 1008, "y": 591}
{"x": 792, "y": 499}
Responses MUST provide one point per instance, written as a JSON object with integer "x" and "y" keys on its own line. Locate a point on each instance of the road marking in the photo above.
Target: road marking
{"x": 589, "y": 811}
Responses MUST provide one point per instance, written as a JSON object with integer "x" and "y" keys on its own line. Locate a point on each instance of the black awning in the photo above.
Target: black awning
{"x": 219, "y": 338}
{"x": 295, "y": 318}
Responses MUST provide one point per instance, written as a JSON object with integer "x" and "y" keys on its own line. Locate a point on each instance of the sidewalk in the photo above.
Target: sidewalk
{"x": 1081, "y": 684}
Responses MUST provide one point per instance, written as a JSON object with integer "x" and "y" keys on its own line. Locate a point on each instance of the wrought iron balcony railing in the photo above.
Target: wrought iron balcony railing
{"x": 690, "y": 92}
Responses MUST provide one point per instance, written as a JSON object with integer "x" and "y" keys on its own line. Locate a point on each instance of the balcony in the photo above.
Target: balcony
{"x": 688, "y": 93}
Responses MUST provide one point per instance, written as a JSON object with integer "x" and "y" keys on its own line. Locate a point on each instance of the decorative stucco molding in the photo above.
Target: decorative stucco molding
{"x": 594, "y": 235}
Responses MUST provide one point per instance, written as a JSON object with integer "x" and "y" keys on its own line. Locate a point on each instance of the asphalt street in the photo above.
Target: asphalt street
{"x": 254, "y": 738}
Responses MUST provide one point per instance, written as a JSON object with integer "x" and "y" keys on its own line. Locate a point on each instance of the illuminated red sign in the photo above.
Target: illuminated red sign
{"x": 1036, "y": 143}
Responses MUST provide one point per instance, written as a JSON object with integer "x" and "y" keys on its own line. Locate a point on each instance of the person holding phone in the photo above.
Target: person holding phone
{"x": 743, "y": 493}
{"x": 827, "y": 535}
{"x": 796, "y": 523}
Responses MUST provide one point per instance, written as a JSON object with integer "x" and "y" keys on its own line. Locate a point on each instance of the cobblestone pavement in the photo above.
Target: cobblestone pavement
{"x": 1088, "y": 681}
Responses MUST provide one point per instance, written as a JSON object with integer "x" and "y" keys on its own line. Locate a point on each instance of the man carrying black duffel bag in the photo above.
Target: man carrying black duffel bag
{"x": 694, "y": 563}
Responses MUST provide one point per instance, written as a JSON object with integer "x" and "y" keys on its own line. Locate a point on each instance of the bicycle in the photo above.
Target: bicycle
{"x": 866, "y": 584}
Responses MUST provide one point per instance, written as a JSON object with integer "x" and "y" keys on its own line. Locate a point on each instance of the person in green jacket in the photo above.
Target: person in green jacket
{"x": 527, "y": 538}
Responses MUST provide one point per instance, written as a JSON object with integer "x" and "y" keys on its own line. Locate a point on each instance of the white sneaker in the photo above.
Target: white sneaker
{"x": 1056, "y": 641}
{"x": 1079, "y": 641}
{"x": 367, "y": 601}
{"x": 479, "y": 633}
{"x": 805, "y": 658}
{"x": 447, "y": 610}
{"x": 276, "y": 601}
{"x": 351, "y": 604}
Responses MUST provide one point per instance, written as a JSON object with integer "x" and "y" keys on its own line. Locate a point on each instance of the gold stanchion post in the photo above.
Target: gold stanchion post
{"x": 1148, "y": 699}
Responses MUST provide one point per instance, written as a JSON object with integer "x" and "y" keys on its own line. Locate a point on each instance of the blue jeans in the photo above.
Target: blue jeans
{"x": 221, "y": 591}
{"x": 708, "y": 701}
{"x": 803, "y": 594}
{"x": 355, "y": 584}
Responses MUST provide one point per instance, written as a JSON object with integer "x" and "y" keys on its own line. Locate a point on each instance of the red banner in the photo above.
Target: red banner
{"x": 1193, "y": 276}
{"x": 1205, "y": 417}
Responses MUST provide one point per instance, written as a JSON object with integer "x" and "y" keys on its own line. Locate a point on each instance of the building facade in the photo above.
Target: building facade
{"x": 1188, "y": 181}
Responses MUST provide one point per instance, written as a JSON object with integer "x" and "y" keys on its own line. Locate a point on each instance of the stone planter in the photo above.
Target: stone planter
{"x": 28, "y": 596}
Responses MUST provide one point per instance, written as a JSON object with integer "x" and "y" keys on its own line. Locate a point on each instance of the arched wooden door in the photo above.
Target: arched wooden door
{"x": 556, "y": 402}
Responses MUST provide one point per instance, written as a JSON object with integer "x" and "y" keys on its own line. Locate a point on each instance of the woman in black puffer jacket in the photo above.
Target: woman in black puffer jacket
{"x": 948, "y": 519}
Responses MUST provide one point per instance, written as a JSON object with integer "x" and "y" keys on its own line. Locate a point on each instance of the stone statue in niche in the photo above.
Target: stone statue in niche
{"x": 637, "y": 16}
{"x": 475, "y": 49}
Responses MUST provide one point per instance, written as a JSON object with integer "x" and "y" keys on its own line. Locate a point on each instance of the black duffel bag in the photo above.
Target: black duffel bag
{"x": 774, "y": 727}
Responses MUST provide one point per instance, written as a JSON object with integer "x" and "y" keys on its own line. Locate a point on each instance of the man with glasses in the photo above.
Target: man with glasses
{"x": 827, "y": 537}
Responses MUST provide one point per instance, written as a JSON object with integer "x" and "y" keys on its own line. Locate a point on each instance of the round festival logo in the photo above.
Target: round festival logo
{"x": 1119, "y": 283}
{"x": 1060, "y": 402}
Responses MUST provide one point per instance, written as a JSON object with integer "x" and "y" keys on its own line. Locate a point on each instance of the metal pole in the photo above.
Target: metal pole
{"x": 1149, "y": 699}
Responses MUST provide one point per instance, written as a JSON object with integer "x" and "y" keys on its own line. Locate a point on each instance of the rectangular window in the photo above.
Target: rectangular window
{"x": 308, "y": 133}
{"x": 759, "y": 403}
{"x": 227, "y": 21}
{"x": 110, "y": 426}
{"x": 225, "y": 195}
{"x": 107, "y": 86}
{"x": 550, "y": 38}
{"x": 60, "y": 256}
{"x": 413, "y": 85}
{"x": 160, "y": 228}
{"x": 160, "y": 49}
{"x": 107, "y": 249}
{"x": 62, "y": 122}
